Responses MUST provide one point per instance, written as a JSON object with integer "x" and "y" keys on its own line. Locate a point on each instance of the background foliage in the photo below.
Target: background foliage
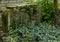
{"x": 47, "y": 10}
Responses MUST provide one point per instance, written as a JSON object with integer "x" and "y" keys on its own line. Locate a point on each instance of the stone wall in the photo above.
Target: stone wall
{"x": 24, "y": 14}
{"x": 4, "y": 3}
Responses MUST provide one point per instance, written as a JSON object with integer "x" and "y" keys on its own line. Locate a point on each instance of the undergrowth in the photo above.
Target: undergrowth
{"x": 32, "y": 32}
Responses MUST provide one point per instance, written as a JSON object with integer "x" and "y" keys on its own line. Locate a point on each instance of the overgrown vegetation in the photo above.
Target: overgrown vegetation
{"x": 31, "y": 32}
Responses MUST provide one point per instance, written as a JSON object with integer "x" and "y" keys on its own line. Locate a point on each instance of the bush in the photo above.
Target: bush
{"x": 47, "y": 10}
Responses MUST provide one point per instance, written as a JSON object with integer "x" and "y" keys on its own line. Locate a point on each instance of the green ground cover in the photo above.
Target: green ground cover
{"x": 32, "y": 32}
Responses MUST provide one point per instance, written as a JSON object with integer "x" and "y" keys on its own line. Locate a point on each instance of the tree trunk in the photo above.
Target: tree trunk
{"x": 56, "y": 12}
